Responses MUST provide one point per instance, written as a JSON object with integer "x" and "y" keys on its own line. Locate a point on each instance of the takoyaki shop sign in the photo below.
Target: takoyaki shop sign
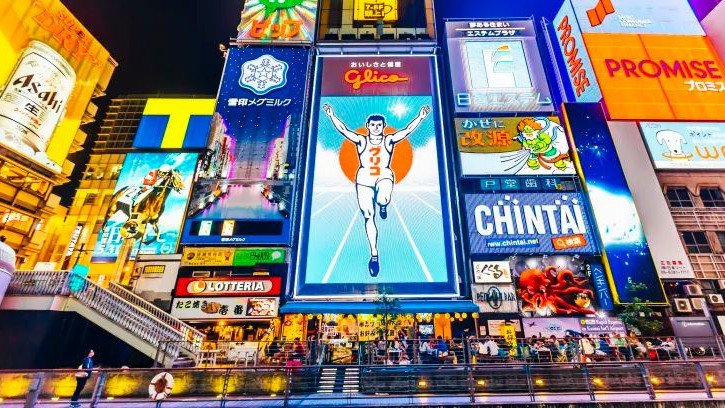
{"x": 225, "y": 308}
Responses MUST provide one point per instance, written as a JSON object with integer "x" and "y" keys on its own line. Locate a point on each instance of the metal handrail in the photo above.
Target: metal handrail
{"x": 464, "y": 385}
{"x": 132, "y": 317}
{"x": 192, "y": 336}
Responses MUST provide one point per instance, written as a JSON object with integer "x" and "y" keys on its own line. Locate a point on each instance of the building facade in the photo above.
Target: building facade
{"x": 42, "y": 43}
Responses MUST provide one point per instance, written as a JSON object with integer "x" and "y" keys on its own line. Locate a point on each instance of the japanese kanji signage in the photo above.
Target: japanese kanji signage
{"x": 374, "y": 10}
{"x": 226, "y": 308}
{"x": 278, "y": 20}
{"x": 496, "y": 67}
{"x": 491, "y": 272}
{"x": 244, "y": 186}
{"x": 513, "y": 146}
{"x": 206, "y": 256}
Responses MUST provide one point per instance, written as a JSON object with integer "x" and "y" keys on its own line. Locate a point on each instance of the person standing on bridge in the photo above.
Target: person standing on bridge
{"x": 82, "y": 376}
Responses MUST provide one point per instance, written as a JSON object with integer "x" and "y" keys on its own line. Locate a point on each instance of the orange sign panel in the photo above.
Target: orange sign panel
{"x": 658, "y": 77}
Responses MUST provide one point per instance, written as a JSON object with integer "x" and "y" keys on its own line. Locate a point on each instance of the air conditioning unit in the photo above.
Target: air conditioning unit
{"x": 721, "y": 284}
{"x": 693, "y": 290}
{"x": 715, "y": 299}
{"x": 683, "y": 305}
{"x": 698, "y": 303}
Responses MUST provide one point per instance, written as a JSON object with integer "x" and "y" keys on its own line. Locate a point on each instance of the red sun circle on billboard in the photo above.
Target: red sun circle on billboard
{"x": 401, "y": 162}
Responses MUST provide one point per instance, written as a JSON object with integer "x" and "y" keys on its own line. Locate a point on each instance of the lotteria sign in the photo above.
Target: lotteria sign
{"x": 227, "y": 286}
{"x": 658, "y": 77}
{"x": 528, "y": 223}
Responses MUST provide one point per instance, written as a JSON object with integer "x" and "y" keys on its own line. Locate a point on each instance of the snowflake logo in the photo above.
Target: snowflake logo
{"x": 263, "y": 74}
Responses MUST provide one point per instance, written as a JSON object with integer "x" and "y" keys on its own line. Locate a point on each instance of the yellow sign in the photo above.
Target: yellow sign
{"x": 374, "y": 10}
{"x": 34, "y": 24}
{"x": 207, "y": 256}
{"x": 179, "y": 111}
{"x": 508, "y": 331}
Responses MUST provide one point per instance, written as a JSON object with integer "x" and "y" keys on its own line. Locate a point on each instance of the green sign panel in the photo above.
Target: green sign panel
{"x": 254, "y": 256}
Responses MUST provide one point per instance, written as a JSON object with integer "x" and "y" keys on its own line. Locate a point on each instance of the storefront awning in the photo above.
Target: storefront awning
{"x": 406, "y": 306}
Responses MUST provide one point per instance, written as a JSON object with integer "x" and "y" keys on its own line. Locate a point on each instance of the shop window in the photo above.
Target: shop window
{"x": 712, "y": 197}
{"x": 721, "y": 238}
{"x": 679, "y": 197}
{"x": 696, "y": 242}
{"x": 90, "y": 199}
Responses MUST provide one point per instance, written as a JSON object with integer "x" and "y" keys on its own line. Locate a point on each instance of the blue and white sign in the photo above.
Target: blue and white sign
{"x": 673, "y": 17}
{"x": 528, "y": 223}
{"x": 685, "y": 145}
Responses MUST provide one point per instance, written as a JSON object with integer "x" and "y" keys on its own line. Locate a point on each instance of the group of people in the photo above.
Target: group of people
{"x": 585, "y": 348}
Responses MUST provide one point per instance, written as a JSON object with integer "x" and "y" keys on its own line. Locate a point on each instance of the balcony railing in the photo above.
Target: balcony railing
{"x": 708, "y": 266}
{"x": 698, "y": 219}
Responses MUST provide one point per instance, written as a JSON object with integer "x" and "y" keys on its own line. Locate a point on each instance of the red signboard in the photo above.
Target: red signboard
{"x": 229, "y": 286}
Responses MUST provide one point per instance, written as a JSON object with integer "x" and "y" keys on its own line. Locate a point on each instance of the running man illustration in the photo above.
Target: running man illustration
{"x": 374, "y": 179}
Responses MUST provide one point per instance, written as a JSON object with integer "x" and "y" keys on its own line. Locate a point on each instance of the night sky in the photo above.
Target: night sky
{"x": 161, "y": 46}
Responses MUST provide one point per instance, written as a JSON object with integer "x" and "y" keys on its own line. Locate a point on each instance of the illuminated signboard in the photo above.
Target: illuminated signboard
{"x": 496, "y": 67}
{"x": 245, "y": 183}
{"x": 491, "y": 272}
{"x": 658, "y": 77}
{"x": 553, "y": 286}
{"x": 229, "y": 286}
{"x": 174, "y": 123}
{"x": 495, "y": 298}
{"x": 200, "y": 256}
{"x": 226, "y": 308}
{"x": 636, "y": 17}
{"x": 627, "y": 257}
{"x": 278, "y": 20}
{"x": 49, "y": 68}
{"x": 374, "y": 10}
{"x": 528, "y": 223}
{"x": 513, "y": 146}
{"x": 147, "y": 205}
{"x": 578, "y": 69}
{"x": 685, "y": 145}
{"x": 550, "y": 326}
{"x": 376, "y": 203}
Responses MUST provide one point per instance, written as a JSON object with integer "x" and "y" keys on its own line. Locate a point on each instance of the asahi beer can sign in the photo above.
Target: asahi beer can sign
{"x": 34, "y": 101}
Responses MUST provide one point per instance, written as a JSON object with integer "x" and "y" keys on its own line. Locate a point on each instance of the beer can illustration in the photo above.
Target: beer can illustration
{"x": 34, "y": 100}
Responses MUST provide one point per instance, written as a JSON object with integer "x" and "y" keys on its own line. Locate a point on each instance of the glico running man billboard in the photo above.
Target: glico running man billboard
{"x": 148, "y": 205}
{"x": 244, "y": 186}
{"x": 513, "y": 146}
{"x": 528, "y": 223}
{"x": 496, "y": 67}
{"x": 626, "y": 255}
{"x": 376, "y": 203}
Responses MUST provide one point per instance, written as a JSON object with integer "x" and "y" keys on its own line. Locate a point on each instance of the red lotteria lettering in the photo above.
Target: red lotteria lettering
{"x": 370, "y": 76}
{"x": 648, "y": 68}
{"x": 576, "y": 67}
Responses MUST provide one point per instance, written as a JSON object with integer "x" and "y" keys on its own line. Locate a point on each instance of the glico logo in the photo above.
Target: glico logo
{"x": 568, "y": 44}
{"x": 358, "y": 78}
{"x": 597, "y": 14}
{"x": 648, "y": 68}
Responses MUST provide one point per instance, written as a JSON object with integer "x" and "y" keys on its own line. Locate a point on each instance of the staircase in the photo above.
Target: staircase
{"x": 132, "y": 319}
{"x": 336, "y": 380}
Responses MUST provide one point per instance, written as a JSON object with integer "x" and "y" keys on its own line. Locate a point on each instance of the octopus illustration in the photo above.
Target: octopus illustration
{"x": 554, "y": 291}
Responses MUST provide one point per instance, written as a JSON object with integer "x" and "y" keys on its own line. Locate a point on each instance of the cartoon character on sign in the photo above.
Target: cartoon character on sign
{"x": 546, "y": 143}
{"x": 553, "y": 291}
{"x": 375, "y": 178}
{"x": 673, "y": 141}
